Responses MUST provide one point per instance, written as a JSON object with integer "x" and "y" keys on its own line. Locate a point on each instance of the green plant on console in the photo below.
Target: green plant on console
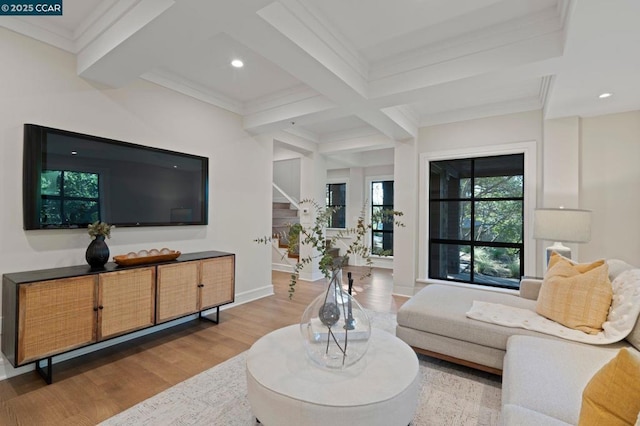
{"x": 314, "y": 236}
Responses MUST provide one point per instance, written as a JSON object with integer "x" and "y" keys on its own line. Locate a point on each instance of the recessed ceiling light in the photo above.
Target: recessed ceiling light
{"x": 74, "y": 152}
{"x": 605, "y": 95}
{"x": 237, "y": 63}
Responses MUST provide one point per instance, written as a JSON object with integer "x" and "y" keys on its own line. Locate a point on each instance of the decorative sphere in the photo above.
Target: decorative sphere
{"x": 329, "y": 314}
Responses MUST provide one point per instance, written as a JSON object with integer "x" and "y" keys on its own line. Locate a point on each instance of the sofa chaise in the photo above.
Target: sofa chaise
{"x": 543, "y": 375}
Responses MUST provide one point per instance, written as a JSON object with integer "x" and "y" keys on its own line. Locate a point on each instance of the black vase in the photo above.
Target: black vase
{"x": 97, "y": 253}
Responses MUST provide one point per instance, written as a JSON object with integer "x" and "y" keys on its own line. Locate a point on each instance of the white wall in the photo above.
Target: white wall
{"x": 610, "y": 185}
{"x": 286, "y": 174}
{"x": 521, "y": 127}
{"x": 472, "y": 135}
{"x": 39, "y": 85}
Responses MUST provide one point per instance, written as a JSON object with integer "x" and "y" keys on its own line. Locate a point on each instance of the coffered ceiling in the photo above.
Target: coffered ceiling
{"x": 358, "y": 74}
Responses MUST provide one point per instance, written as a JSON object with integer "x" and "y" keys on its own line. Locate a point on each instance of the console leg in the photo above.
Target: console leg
{"x": 48, "y": 374}
{"x": 215, "y": 321}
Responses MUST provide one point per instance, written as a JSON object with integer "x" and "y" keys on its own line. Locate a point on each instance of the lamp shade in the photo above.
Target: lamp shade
{"x": 565, "y": 225}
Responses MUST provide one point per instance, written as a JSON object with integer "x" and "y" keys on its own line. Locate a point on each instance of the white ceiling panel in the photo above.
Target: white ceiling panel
{"x": 355, "y": 75}
{"x": 209, "y": 66}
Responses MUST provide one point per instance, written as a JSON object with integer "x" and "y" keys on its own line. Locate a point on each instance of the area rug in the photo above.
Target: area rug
{"x": 449, "y": 395}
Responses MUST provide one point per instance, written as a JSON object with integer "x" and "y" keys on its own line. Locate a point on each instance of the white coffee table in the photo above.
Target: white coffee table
{"x": 286, "y": 388}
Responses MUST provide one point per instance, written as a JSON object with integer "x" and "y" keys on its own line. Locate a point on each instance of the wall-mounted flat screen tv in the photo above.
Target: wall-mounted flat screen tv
{"x": 71, "y": 180}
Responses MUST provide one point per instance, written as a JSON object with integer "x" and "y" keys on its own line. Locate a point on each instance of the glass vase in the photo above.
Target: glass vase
{"x": 335, "y": 327}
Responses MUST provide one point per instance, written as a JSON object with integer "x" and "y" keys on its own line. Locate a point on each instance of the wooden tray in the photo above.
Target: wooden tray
{"x": 124, "y": 261}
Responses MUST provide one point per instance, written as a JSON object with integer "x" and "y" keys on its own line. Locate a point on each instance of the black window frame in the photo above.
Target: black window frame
{"x": 387, "y": 229}
{"x": 434, "y": 261}
{"x": 339, "y": 215}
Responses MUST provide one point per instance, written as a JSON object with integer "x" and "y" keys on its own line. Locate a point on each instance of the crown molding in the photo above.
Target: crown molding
{"x": 278, "y": 99}
{"x": 105, "y": 15}
{"x": 469, "y": 44}
{"x": 189, "y": 88}
{"x": 343, "y": 135}
{"x": 484, "y": 111}
{"x": 545, "y": 88}
{"x": 49, "y": 34}
{"x": 302, "y": 133}
{"x": 356, "y": 144}
{"x": 333, "y": 37}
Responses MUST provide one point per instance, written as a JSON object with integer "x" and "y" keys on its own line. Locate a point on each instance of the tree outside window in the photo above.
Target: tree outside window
{"x": 337, "y": 200}
{"x": 69, "y": 198}
{"x": 382, "y": 230}
{"x": 476, "y": 220}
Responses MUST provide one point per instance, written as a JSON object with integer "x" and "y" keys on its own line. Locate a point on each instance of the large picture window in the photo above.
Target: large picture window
{"x": 337, "y": 199}
{"x": 382, "y": 230}
{"x": 69, "y": 197}
{"x": 476, "y": 220}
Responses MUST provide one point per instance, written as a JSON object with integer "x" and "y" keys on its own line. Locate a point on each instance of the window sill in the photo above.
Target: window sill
{"x": 375, "y": 256}
{"x": 468, "y": 285}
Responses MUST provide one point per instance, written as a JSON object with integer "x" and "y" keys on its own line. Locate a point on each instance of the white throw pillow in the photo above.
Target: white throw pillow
{"x": 625, "y": 305}
{"x": 616, "y": 267}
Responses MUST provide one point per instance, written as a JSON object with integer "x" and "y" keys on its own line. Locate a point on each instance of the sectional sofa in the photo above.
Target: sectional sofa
{"x": 543, "y": 375}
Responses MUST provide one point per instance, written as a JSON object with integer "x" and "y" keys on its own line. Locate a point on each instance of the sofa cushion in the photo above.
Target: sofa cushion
{"x": 441, "y": 309}
{"x": 577, "y": 296}
{"x": 517, "y": 415}
{"x": 612, "y": 395}
{"x": 549, "y": 376}
{"x": 634, "y": 336}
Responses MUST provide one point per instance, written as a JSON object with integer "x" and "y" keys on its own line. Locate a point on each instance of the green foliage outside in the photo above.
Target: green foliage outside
{"x": 69, "y": 197}
{"x": 495, "y": 221}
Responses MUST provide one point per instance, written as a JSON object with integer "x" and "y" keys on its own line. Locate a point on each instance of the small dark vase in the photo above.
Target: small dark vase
{"x": 97, "y": 253}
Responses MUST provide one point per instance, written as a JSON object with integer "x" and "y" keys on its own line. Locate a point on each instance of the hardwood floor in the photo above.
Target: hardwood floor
{"x": 94, "y": 387}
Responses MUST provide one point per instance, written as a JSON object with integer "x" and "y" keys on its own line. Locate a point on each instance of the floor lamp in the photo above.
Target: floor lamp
{"x": 561, "y": 226}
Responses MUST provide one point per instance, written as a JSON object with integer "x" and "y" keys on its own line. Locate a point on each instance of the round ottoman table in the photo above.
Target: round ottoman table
{"x": 286, "y": 388}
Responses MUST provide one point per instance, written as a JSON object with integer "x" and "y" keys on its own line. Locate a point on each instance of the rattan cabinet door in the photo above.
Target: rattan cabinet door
{"x": 55, "y": 316}
{"x": 177, "y": 290}
{"x": 217, "y": 279}
{"x": 126, "y": 301}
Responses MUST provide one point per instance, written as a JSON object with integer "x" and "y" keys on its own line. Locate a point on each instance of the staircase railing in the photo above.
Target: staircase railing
{"x": 291, "y": 200}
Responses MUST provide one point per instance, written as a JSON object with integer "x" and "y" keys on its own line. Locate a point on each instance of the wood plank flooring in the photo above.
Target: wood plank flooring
{"x": 94, "y": 387}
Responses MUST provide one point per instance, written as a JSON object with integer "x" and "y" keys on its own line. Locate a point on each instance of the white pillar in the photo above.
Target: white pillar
{"x": 313, "y": 176}
{"x": 405, "y": 199}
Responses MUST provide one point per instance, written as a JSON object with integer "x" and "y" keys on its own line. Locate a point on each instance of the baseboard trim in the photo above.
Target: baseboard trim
{"x": 406, "y": 291}
{"x": 281, "y": 267}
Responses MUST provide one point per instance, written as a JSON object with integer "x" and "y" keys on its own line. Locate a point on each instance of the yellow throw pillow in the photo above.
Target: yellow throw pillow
{"x": 612, "y": 396}
{"x": 576, "y": 295}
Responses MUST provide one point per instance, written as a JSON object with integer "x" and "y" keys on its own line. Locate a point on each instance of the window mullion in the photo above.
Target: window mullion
{"x": 472, "y": 236}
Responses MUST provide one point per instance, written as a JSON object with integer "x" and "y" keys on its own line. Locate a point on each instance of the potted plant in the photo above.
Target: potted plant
{"x": 97, "y": 253}
{"x": 334, "y": 327}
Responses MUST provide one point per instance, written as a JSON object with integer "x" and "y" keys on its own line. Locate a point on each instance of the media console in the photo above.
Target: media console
{"x": 52, "y": 311}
